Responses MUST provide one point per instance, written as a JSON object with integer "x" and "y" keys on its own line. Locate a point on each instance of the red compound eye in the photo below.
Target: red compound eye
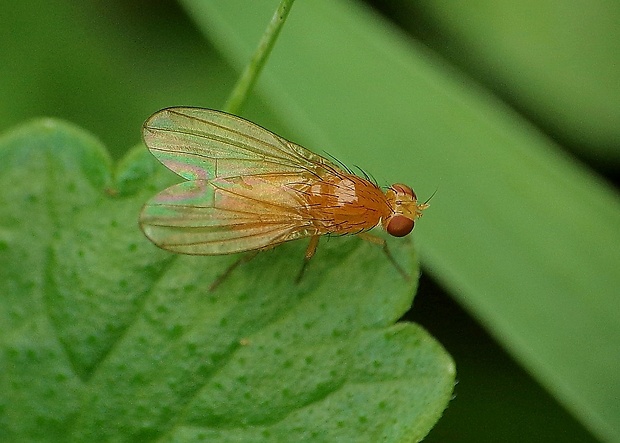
{"x": 399, "y": 226}
{"x": 399, "y": 188}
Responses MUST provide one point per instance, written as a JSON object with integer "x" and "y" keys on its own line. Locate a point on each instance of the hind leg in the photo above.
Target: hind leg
{"x": 314, "y": 241}
{"x": 246, "y": 257}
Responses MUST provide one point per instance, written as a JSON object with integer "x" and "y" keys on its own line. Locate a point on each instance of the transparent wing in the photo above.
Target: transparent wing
{"x": 203, "y": 144}
{"x": 224, "y": 216}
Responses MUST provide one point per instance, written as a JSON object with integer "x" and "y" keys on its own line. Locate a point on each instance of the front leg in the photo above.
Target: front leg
{"x": 381, "y": 242}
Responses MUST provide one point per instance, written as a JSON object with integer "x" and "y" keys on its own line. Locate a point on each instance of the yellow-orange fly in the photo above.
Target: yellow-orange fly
{"x": 250, "y": 189}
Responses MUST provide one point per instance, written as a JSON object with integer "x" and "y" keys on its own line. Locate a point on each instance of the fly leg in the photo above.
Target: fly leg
{"x": 314, "y": 241}
{"x": 243, "y": 259}
{"x": 381, "y": 242}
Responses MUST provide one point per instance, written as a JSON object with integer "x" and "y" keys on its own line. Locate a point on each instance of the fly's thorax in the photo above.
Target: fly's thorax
{"x": 335, "y": 191}
{"x": 404, "y": 210}
{"x": 345, "y": 203}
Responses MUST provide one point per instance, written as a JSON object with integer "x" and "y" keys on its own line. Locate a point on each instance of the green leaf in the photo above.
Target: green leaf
{"x": 107, "y": 338}
{"x": 523, "y": 236}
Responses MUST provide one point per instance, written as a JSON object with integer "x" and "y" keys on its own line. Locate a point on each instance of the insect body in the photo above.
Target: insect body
{"x": 250, "y": 189}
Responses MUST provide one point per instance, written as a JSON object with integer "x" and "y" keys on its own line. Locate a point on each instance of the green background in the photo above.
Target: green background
{"x": 510, "y": 112}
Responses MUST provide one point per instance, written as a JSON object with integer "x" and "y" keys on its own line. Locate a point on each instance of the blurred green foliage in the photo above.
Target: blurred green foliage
{"x": 556, "y": 61}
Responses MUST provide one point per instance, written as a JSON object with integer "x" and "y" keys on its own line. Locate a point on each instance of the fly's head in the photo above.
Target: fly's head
{"x": 405, "y": 209}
